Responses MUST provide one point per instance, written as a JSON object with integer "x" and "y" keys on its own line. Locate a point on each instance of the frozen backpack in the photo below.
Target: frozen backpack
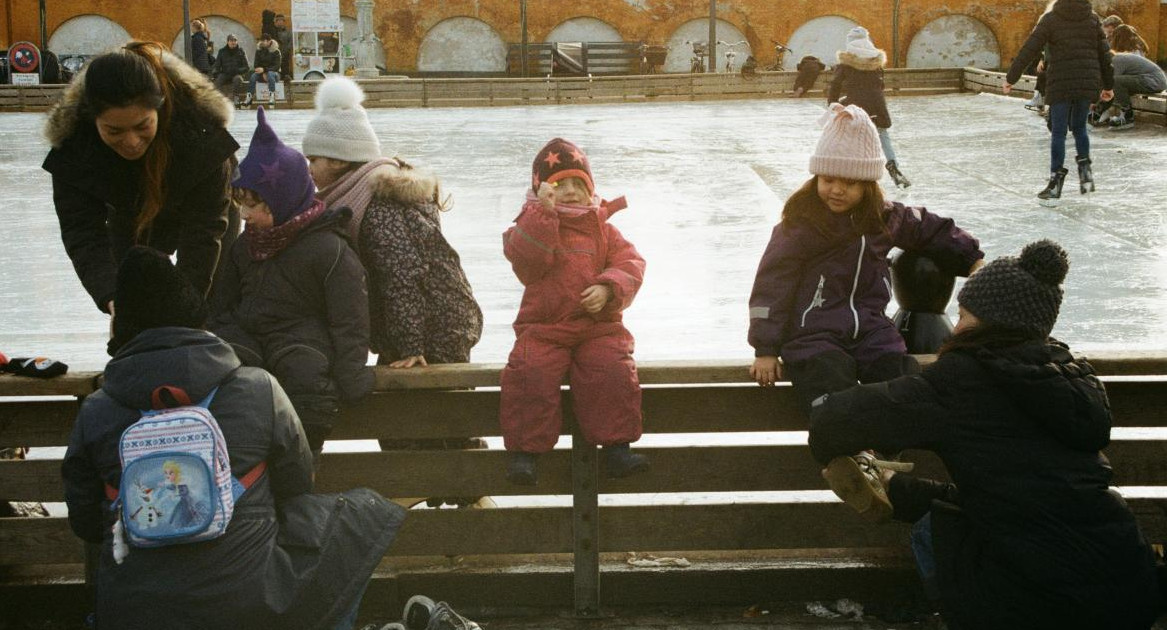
{"x": 176, "y": 484}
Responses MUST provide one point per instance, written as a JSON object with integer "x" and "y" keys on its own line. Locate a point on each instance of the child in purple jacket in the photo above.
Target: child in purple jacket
{"x": 822, "y": 287}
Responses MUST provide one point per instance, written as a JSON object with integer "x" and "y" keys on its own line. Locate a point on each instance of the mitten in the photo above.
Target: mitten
{"x": 38, "y": 367}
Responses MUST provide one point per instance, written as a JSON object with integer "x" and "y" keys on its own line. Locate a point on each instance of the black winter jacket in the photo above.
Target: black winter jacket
{"x": 859, "y": 81}
{"x": 231, "y": 62}
{"x": 1037, "y": 539}
{"x": 288, "y": 559}
{"x": 268, "y": 58}
{"x": 1078, "y": 62}
{"x": 97, "y": 194}
{"x": 302, "y": 314}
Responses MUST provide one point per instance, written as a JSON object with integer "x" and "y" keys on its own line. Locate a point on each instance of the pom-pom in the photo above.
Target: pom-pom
{"x": 1046, "y": 261}
{"x": 339, "y": 92}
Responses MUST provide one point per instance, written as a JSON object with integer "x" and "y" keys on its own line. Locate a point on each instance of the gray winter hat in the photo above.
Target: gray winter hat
{"x": 1020, "y": 292}
{"x": 341, "y": 128}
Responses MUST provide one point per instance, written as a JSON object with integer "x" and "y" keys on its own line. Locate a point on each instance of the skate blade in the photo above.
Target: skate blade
{"x": 1048, "y": 203}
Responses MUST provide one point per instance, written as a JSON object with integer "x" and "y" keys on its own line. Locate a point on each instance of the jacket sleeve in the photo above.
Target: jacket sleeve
{"x": 346, "y": 298}
{"x": 289, "y": 461}
{"x": 204, "y": 221}
{"x": 227, "y": 292}
{"x": 911, "y": 497}
{"x": 835, "y": 90}
{"x": 83, "y": 231}
{"x": 530, "y": 244}
{"x": 395, "y": 259}
{"x": 623, "y": 271}
{"x": 1030, "y": 50}
{"x": 84, "y": 487}
{"x": 775, "y": 285}
{"x": 916, "y": 229}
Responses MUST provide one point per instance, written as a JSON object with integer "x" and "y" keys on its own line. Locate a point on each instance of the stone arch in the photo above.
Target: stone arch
{"x": 87, "y": 35}
{"x": 821, "y": 37}
{"x": 584, "y": 29}
{"x": 461, "y": 44}
{"x": 954, "y": 41}
{"x": 220, "y": 26}
{"x": 680, "y": 52}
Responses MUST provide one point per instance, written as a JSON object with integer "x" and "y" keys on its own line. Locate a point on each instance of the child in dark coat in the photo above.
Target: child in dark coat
{"x": 822, "y": 287}
{"x": 292, "y": 297}
{"x": 809, "y": 68}
{"x": 579, "y": 274}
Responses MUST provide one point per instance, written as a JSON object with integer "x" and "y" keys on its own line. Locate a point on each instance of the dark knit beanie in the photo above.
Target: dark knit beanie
{"x": 277, "y": 173}
{"x": 1020, "y": 292}
{"x": 151, "y": 293}
{"x": 560, "y": 159}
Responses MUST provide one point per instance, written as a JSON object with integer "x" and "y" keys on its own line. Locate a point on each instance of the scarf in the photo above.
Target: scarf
{"x": 353, "y": 190}
{"x": 262, "y": 244}
{"x": 596, "y": 204}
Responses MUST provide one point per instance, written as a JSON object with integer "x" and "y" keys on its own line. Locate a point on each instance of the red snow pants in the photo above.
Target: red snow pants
{"x": 605, "y": 389}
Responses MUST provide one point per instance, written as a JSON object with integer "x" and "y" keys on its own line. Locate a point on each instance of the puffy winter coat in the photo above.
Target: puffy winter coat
{"x": 200, "y": 58}
{"x": 859, "y": 81}
{"x": 836, "y": 284}
{"x": 557, "y": 256}
{"x": 98, "y": 194}
{"x": 231, "y": 62}
{"x": 1037, "y": 539}
{"x": 268, "y": 58}
{"x": 287, "y": 560}
{"x": 302, "y": 314}
{"x": 1078, "y": 58}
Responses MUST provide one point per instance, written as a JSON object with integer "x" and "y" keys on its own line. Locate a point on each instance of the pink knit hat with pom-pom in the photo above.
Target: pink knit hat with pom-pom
{"x": 849, "y": 147}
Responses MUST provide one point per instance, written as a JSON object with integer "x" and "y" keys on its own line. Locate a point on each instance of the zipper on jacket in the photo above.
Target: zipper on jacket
{"x": 817, "y": 300}
{"x": 887, "y": 284}
{"x": 855, "y": 284}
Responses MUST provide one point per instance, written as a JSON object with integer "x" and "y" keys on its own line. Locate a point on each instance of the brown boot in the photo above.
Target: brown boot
{"x": 856, "y": 480}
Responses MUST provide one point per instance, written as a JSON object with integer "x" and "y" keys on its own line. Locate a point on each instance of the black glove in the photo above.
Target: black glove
{"x": 38, "y": 367}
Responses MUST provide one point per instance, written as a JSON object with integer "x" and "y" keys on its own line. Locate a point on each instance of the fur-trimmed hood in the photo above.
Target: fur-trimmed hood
{"x": 65, "y": 116}
{"x": 863, "y": 63}
{"x": 403, "y": 184}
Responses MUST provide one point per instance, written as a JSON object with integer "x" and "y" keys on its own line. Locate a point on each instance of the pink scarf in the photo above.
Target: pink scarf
{"x": 353, "y": 190}
{"x": 263, "y": 244}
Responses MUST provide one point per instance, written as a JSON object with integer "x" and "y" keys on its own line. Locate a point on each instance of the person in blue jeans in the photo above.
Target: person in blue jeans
{"x": 267, "y": 67}
{"x": 1078, "y": 71}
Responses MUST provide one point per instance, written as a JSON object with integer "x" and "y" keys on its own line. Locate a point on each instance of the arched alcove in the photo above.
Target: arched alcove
{"x": 584, "y": 29}
{"x": 220, "y": 27}
{"x": 87, "y": 35}
{"x": 821, "y": 37}
{"x": 349, "y": 34}
{"x": 462, "y": 44}
{"x": 955, "y": 41}
{"x": 681, "y": 51}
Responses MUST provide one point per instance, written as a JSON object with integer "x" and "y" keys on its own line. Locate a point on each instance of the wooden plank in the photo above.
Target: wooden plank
{"x": 72, "y": 384}
{"x": 39, "y": 541}
{"x": 47, "y": 423}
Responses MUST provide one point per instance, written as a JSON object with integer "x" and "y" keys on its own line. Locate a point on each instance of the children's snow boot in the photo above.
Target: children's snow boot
{"x": 620, "y": 461}
{"x": 521, "y": 470}
{"x": 417, "y": 613}
{"x": 444, "y": 617}
{"x": 1035, "y": 103}
{"x": 896, "y": 175}
{"x": 856, "y": 480}
{"x": 1085, "y": 175}
{"x": 1053, "y": 190}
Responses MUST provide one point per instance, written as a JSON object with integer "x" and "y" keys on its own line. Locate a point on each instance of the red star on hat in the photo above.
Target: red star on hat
{"x": 577, "y": 156}
{"x": 552, "y": 158}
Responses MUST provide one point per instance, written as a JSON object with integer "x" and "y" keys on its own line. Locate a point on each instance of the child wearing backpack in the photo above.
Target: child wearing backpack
{"x": 291, "y": 297}
{"x": 579, "y": 274}
{"x": 822, "y": 286}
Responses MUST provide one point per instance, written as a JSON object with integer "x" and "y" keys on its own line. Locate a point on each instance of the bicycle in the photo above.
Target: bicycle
{"x": 780, "y": 51}
{"x": 697, "y": 61}
{"x": 730, "y": 53}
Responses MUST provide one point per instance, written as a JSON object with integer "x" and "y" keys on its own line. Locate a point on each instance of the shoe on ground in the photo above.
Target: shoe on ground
{"x": 444, "y": 617}
{"x": 856, "y": 480}
{"x": 521, "y": 470}
{"x": 1035, "y": 103}
{"x": 417, "y": 613}
{"x": 247, "y": 100}
{"x": 620, "y": 462}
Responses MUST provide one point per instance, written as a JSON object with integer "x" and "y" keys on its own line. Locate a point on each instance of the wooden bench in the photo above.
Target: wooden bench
{"x": 1148, "y": 107}
{"x": 796, "y": 542}
{"x": 597, "y": 58}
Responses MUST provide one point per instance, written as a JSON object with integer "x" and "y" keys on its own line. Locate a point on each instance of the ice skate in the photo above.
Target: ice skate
{"x": 1123, "y": 121}
{"x": 1053, "y": 190}
{"x": 896, "y": 176}
{"x": 1036, "y": 103}
{"x": 1085, "y": 175}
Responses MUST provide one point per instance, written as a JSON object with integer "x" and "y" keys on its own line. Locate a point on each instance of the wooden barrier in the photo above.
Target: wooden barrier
{"x": 1149, "y": 107}
{"x": 679, "y": 398}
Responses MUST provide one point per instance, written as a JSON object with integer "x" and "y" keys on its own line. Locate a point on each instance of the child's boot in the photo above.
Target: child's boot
{"x": 620, "y": 461}
{"x": 1085, "y": 175}
{"x": 896, "y": 176}
{"x": 521, "y": 469}
{"x": 1053, "y": 190}
{"x": 856, "y": 480}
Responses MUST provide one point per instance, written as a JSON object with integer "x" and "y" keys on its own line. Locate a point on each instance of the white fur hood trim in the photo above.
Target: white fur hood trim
{"x": 863, "y": 63}
{"x": 403, "y": 185}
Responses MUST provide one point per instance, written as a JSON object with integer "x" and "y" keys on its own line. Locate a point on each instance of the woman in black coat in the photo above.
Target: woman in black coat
{"x": 1029, "y": 534}
{"x": 141, "y": 155}
{"x": 1078, "y": 70}
{"x": 200, "y": 53}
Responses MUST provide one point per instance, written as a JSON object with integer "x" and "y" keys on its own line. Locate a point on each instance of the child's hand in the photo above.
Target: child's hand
{"x": 547, "y": 196}
{"x": 766, "y": 370}
{"x": 595, "y": 297}
{"x": 409, "y": 362}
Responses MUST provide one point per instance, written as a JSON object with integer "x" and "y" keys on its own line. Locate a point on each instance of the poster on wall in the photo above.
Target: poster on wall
{"x": 316, "y": 15}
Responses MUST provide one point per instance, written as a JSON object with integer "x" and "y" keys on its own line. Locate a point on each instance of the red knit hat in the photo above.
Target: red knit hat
{"x": 560, "y": 159}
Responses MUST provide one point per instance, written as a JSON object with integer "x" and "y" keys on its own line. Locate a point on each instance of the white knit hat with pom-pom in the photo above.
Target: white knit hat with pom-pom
{"x": 341, "y": 128}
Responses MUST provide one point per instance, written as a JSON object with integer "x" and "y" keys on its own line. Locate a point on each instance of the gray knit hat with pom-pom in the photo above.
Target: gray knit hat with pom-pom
{"x": 1020, "y": 292}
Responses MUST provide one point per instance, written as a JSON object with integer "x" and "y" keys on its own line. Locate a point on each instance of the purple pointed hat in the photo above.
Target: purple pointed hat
{"x": 276, "y": 172}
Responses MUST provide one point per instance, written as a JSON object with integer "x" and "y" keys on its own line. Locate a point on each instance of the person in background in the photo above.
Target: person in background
{"x": 199, "y": 41}
{"x": 809, "y": 68}
{"x": 1125, "y": 39}
{"x": 267, "y": 67}
{"x": 283, "y": 36}
{"x": 230, "y": 69}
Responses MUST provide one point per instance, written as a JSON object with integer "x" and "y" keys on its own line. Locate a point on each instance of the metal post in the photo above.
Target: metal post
{"x": 523, "y": 22}
{"x": 712, "y": 48}
{"x": 895, "y": 34}
{"x": 186, "y": 49}
{"x": 585, "y": 474}
{"x": 44, "y": 28}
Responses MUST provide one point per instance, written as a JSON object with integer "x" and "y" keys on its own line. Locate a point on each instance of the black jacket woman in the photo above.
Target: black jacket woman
{"x": 1029, "y": 534}
{"x": 141, "y": 155}
{"x": 1078, "y": 71}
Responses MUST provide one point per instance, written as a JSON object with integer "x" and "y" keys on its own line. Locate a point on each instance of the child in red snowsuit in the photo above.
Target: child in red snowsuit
{"x": 579, "y": 274}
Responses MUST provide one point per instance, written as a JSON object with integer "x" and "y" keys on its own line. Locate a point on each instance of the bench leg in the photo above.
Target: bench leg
{"x": 585, "y": 473}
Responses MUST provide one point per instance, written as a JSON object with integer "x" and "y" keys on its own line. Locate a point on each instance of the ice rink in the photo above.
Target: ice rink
{"x": 705, "y": 184}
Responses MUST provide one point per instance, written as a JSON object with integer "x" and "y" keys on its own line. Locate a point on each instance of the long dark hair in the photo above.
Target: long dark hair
{"x": 134, "y": 75}
{"x": 806, "y": 207}
{"x": 989, "y": 337}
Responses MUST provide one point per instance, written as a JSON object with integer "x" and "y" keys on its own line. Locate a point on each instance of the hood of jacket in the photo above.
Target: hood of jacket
{"x": 194, "y": 360}
{"x": 1059, "y": 392}
{"x": 405, "y": 185}
{"x": 1073, "y": 10}
{"x": 65, "y": 117}
{"x": 862, "y": 63}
